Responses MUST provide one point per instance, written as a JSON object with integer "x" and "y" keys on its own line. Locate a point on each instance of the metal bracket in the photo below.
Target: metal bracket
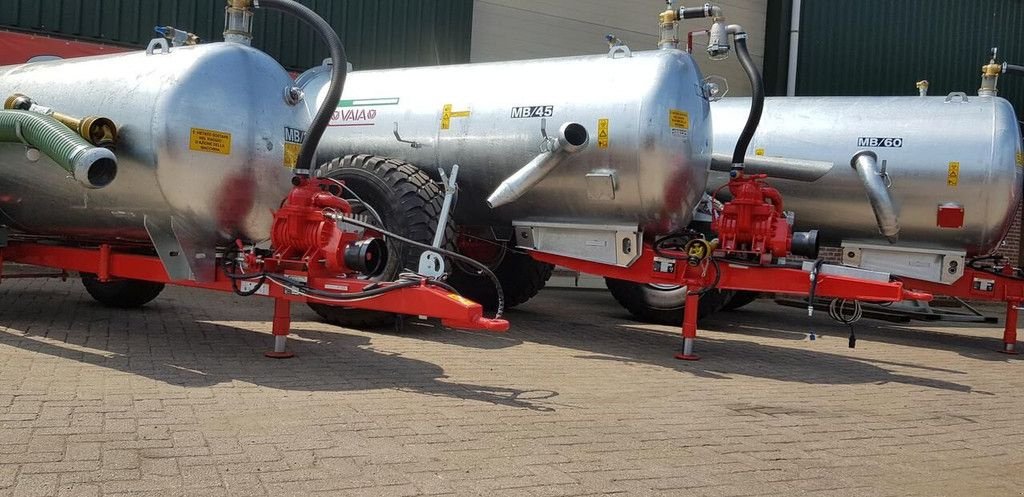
{"x": 412, "y": 143}
{"x": 432, "y": 265}
{"x": 962, "y": 95}
{"x": 619, "y": 49}
{"x": 158, "y": 43}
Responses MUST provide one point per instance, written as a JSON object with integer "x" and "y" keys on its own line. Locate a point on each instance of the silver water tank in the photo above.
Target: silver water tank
{"x": 645, "y": 114}
{"x": 201, "y": 149}
{"x": 957, "y": 152}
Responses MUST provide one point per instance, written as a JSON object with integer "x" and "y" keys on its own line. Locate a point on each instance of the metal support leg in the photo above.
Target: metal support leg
{"x": 1010, "y": 329}
{"x": 282, "y": 326}
{"x": 689, "y": 328}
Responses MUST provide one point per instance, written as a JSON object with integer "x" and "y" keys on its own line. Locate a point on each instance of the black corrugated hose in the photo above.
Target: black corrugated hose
{"x": 339, "y": 71}
{"x": 756, "y": 102}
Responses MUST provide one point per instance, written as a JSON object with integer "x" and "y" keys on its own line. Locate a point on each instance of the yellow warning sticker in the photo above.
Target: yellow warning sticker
{"x": 678, "y": 119}
{"x": 953, "y": 177}
{"x": 1020, "y": 159}
{"x": 759, "y": 151}
{"x": 447, "y": 114}
{"x": 460, "y": 299}
{"x": 291, "y": 154}
{"x": 602, "y": 133}
{"x": 210, "y": 141}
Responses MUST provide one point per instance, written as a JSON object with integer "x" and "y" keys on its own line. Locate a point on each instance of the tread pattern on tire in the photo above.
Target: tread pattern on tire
{"x": 520, "y": 276}
{"x": 413, "y": 213}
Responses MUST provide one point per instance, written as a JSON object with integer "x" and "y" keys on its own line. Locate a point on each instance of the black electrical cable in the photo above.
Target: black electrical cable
{"x": 756, "y": 101}
{"x": 339, "y": 72}
{"x": 454, "y": 255}
{"x": 815, "y": 275}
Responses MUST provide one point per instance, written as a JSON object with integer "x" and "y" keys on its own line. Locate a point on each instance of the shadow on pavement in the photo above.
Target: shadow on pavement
{"x": 157, "y": 343}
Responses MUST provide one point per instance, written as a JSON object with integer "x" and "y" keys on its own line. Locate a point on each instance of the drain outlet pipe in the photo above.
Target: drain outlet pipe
{"x": 93, "y": 167}
{"x": 572, "y": 138}
{"x": 866, "y": 165}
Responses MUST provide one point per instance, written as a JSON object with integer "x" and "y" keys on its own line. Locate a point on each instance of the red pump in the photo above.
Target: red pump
{"x": 304, "y": 232}
{"x": 753, "y": 221}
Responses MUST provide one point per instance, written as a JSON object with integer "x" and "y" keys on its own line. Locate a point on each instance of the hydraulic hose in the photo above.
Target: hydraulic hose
{"x": 756, "y": 102}
{"x": 91, "y": 166}
{"x": 338, "y": 74}
{"x": 1013, "y": 69}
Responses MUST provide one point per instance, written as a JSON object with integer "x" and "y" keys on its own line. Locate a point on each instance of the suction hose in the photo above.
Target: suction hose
{"x": 756, "y": 102}
{"x": 338, "y": 74}
{"x": 91, "y": 166}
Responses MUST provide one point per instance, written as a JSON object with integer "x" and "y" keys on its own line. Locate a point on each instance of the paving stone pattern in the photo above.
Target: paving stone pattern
{"x": 176, "y": 399}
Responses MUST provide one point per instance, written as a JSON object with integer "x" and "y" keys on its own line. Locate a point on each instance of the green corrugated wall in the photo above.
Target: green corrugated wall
{"x": 377, "y": 33}
{"x": 882, "y": 47}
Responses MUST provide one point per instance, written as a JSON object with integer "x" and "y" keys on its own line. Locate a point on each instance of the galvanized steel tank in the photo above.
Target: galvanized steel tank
{"x": 938, "y": 150}
{"x": 646, "y": 114}
{"x": 202, "y": 134}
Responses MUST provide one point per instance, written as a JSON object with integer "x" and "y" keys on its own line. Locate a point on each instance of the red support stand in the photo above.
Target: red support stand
{"x": 1010, "y": 329}
{"x": 689, "y": 328}
{"x": 282, "y": 326}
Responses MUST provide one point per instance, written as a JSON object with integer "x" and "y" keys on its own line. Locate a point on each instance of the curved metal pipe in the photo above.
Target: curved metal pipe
{"x": 572, "y": 138}
{"x": 886, "y": 213}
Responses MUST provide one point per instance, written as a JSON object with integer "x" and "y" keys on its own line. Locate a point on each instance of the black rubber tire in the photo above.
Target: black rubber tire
{"x": 739, "y": 299}
{"x": 521, "y": 279}
{"x": 662, "y": 306}
{"x": 409, "y": 203}
{"x": 122, "y": 294}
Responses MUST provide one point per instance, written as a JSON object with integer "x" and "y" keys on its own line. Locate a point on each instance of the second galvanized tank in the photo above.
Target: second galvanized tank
{"x": 938, "y": 151}
{"x": 646, "y": 115}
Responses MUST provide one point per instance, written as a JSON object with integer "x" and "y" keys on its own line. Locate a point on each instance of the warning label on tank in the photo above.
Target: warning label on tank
{"x": 602, "y": 133}
{"x": 953, "y": 176}
{"x": 291, "y": 154}
{"x": 447, "y": 114}
{"x": 1020, "y": 159}
{"x": 210, "y": 141}
{"x": 679, "y": 122}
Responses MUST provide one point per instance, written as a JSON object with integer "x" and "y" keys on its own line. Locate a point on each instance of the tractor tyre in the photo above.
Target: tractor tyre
{"x": 122, "y": 294}
{"x": 409, "y": 204}
{"x": 662, "y": 304}
{"x": 520, "y": 276}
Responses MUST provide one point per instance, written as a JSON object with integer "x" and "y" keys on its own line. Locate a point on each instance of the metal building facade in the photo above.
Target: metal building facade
{"x": 377, "y": 33}
{"x": 883, "y": 47}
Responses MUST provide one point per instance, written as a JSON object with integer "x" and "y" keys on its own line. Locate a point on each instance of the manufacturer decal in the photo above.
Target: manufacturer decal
{"x": 953, "y": 174}
{"x": 533, "y": 111}
{"x": 880, "y": 142}
{"x": 447, "y": 114}
{"x": 759, "y": 151}
{"x": 602, "y": 133}
{"x": 293, "y": 139}
{"x": 210, "y": 141}
{"x": 360, "y": 112}
{"x": 679, "y": 122}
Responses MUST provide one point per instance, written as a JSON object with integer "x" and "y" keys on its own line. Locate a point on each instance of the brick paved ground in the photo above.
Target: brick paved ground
{"x": 577, "y": 399}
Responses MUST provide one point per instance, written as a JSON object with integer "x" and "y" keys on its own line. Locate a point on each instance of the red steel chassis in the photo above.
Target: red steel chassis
{"x": 727, "y": 275}
{"x": 977, "y": 284}
{"x": 111, "y": 262}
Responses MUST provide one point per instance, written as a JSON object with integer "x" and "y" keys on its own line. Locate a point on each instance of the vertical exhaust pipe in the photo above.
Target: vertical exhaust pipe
{"x": 886, "y": 214}
{"x": 572, "y": 138}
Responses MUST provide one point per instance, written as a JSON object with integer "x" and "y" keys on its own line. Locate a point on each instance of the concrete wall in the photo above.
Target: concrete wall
{"x": 528, "y": 29}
